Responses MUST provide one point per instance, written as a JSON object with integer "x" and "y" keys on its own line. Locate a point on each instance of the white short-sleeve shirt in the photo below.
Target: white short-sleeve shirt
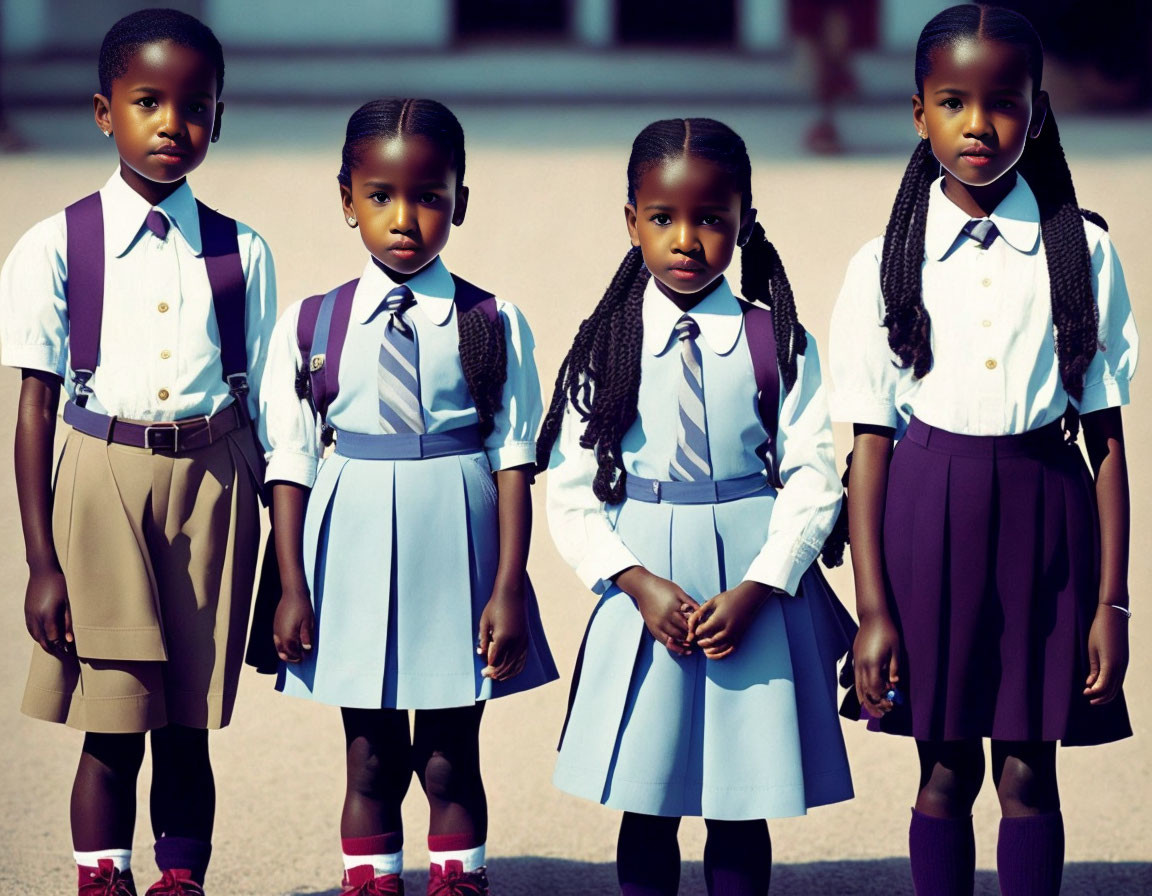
{"x": 159, "y": 344}
{"x": 994, "y": 365}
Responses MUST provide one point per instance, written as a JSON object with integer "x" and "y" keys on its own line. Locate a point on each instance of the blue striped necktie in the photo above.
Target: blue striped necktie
{"x": 691, "y": 461}
{"x": 982, "y": 231}
{"x": 398, "y": 373}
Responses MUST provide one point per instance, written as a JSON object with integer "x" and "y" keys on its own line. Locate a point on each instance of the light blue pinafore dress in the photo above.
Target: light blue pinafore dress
{"x": 401, "y": 555}
{"x": 754, "y": 735}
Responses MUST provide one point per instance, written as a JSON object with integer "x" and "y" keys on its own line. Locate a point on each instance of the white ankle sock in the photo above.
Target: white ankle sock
{"x": 122, "y": 858}
{"x": 386, "y": 863}
{"x": 471, "y": 859}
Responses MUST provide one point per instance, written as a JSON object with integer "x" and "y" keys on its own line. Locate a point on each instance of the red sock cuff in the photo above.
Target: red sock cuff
{"x": 376, "y": 845}
{"x": 452, "y": 842}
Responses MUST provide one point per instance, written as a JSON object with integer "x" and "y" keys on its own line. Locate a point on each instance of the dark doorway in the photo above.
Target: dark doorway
{"x": 511, "y": 18}
{"x": 676, "y": 22}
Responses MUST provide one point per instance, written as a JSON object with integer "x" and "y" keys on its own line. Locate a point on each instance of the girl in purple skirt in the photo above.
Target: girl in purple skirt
{"x": 981, "y": 333}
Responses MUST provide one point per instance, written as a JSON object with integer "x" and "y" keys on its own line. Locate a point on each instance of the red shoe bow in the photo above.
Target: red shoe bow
{"x": 105, "y": 880}
{"x": 175, "y": 882}
{"x": 453, "y": 880}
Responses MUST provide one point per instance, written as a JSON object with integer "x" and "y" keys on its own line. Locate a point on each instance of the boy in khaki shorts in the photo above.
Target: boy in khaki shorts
{"x": 154, "y": 312}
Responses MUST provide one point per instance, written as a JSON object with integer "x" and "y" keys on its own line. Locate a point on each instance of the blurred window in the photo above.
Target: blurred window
{"x": 81, "y": 24}
{"x": 676, "y": 22}
{"x": 511, "y": 18}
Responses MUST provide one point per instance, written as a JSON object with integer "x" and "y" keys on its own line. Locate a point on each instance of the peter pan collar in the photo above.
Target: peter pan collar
{"x": 433, "y": 288}
{"x": 125, "y": 210}
{"x": 1017, "y": 217}
{"x": 718, "y": 315}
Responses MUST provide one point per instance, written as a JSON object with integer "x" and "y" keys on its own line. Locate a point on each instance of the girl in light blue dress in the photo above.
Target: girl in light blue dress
{"x": 691, "y": 484}
{"x": 402, "y": 552}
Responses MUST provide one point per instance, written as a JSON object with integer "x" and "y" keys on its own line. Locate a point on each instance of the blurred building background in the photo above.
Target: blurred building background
{"x": 528, "y": 50}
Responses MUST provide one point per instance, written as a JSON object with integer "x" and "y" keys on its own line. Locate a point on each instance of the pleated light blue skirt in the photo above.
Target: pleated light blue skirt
{"x": 401, "y": 557}
{"x": 755, "y": 735}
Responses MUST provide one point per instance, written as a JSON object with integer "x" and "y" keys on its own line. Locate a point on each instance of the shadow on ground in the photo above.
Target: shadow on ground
{"x": 525, "y": 875}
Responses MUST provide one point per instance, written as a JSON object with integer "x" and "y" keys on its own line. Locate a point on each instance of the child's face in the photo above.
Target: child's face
{"x": 162, "y": 113}
{"x": 687, "y": 221}
{"x": 978, "y": 110}
{"x": 404, "y": 198}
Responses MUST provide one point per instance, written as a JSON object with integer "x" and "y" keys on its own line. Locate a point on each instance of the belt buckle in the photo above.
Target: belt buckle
{"x": 162, "y": 428}
{"x": 656, "y": 489}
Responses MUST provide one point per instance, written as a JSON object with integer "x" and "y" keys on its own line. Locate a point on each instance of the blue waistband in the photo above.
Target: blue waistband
{"x": 408, "y": 446}
{"x": 703, "y": 491}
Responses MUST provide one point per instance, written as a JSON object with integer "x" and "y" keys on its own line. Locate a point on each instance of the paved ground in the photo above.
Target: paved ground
{"x": 545, "y": 230}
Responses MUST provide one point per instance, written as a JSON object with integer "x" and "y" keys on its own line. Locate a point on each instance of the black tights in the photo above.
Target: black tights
{"x": 737, "y": 857}
{"x": 444, "y": 751}
{"x": 183, "y": 795}
{"x": 952, "y": 772}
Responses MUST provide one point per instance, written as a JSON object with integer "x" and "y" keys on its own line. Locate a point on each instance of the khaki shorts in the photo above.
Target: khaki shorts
{"x": 159, "y": 555}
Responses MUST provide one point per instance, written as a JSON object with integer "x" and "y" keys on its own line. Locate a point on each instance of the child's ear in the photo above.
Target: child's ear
{"x": 918, "y": 116}
{"x": 102, "y": 112}
{"x": 747, "y": 221}
{"x": 630, "y": 220}
{"x": 346, "y": 205}
{"x": 1040, "y": 108}
{"x": 219, "y": 118}
{"x": 461, "y": 206}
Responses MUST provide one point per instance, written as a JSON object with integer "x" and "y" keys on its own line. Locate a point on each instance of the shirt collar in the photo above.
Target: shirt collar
{"x": 125, "y": 210}
{"x": 718, "y": 315}
{"x": 1017, "y": 217}
{"x": 433, "y": 288}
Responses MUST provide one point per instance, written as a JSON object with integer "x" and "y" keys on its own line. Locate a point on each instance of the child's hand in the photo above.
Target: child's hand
{"x": 46, "y": 612}
{"x": 719, "y": 625}
{"x": 292, "y": 627}
{"x": 503, "y": 637}
{"x": 664, "y": 605}
{"x": 876, "y": 651}
{"x": 1107, "y": 655}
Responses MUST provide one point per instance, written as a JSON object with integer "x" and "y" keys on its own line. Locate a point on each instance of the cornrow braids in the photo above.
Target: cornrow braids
{"x": 392, "y": 117}
{"x": 1043, "y": 165}
{"x": 763, "y": 279}
{"x": 600, "y": 377}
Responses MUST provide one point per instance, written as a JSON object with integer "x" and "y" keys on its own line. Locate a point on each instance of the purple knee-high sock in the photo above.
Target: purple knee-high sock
{"x": 943, "y": 853}
{"x": 184, "y": 852}
{"x": 1030, "y": 854}
{"x": 738, "y": 858}
{"x": 648, "y": 856}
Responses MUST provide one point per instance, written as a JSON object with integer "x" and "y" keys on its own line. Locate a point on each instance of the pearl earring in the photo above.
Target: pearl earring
{"x": 107, "y": 133}
{"x": 351, "y": 221}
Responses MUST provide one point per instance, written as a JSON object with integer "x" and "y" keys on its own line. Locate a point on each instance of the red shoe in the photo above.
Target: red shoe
{"x": 176, "y": 882}
{"x": 453, "y": 880}
{"x": 105, "y": 880}
{"x": 360, "y": 881}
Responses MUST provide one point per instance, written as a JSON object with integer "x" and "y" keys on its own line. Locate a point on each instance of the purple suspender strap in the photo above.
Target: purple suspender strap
{"x": 84, "y": 289}
{"x": 221, "y": 249}
{"x": 761, "y": 337}
{"x": 84, "y": 292}
{"x": 323, "y": 325}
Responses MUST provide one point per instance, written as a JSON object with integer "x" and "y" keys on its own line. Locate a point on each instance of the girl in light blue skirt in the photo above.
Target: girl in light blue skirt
{"x": 691, "y": 484}
{"x": 402, "y": 552}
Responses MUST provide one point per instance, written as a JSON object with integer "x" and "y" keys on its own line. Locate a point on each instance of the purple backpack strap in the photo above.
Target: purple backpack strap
{"x": 229, "y": 293}
{"x": 761, "y": 337}
{"x": 84, "y": 289}
{"x": 469, "y": 296}
{"x": 320, "y": 333}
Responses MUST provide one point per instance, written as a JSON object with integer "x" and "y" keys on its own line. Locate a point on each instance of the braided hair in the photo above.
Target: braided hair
{"x": 483, "y": 353}
{"x": 1074, "y": 311}
{"x": 600, "y": 375}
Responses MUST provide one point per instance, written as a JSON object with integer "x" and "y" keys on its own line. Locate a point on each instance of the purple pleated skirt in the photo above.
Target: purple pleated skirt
{"x": 992, "y": 554}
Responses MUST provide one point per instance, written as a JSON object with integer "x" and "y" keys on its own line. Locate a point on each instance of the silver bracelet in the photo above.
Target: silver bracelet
{"x": 1127, "y": 613}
